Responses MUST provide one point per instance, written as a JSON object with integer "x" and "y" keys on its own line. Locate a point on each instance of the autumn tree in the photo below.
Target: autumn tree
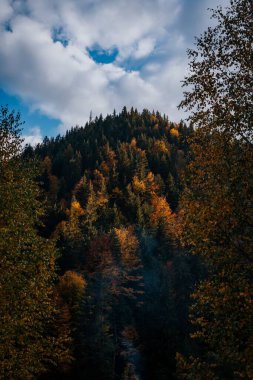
{"x": 71, "y": 287}
{"x": 216, "y": 207}
{"x": 27, "y": 343}
{"x": 127, "y": 244}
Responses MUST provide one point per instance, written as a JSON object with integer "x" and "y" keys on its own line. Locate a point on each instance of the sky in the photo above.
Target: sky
{"x": 61, "y": 60}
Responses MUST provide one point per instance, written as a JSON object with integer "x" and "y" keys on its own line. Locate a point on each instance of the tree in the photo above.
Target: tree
{"x": 220, "y": 81}
{"x": 216, "y": 206}
{"x": 27, "y": 344}
{"x": 127, "y": 244}
{"x": 9, "y": 134}
{"x": 71, "y": 288}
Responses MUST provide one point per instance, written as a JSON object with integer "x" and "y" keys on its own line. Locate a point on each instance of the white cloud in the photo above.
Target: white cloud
{"x": 34, "y": 137}
{"x": 108, "y": 22}
{"x": 144, "y": 48}
{"x": 65, "y": 83}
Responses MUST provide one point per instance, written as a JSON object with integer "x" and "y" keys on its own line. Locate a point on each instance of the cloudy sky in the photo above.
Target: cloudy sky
{"x": 62, "y": 59}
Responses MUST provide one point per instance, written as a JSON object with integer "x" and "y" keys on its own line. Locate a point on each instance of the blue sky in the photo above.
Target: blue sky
{"x": 62, "y": 59}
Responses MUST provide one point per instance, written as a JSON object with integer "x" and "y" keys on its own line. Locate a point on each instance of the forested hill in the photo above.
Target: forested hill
{"x": 120, "y": 147}
{"x": 112, "y": 190}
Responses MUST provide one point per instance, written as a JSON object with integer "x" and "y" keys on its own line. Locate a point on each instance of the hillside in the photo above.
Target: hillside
{"x": 112, "y": 190}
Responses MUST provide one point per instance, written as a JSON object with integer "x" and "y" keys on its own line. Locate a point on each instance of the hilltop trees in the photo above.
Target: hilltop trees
{"x": 217, "y": 203}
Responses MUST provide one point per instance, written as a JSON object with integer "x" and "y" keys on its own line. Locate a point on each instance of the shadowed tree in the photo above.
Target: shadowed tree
{"x": 217, "y": 203}
{"x": 28, "y": 344}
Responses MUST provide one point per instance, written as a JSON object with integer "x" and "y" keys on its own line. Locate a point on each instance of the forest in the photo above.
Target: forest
{"x": 124, "y": 281}
{"x": 126, "y": 247}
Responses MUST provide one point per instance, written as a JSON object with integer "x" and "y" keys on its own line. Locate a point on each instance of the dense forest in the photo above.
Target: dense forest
{"x": 111, "y": 191}
{"x": 126, "y": 244}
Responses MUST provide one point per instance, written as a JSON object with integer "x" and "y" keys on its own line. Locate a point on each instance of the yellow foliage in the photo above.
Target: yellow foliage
{"x": 138, "y": 185}
{"x": 128, "y": 244}
{"x": 174, "y": 132}
{"x": 161, "y": 214}
{"x": 161, "y": 146}
{"x": 153, "y": 119}
{"x": 76, "y": 207}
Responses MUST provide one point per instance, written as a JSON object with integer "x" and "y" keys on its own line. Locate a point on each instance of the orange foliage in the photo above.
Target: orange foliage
{"x": 76, "y": 208}
{"x": 128, "y": 244}
{"x": 133, "y": 142}
{"x": 138, "y": 185}
{"x": 174, "y": 132}
{"x": 101, "y": 200}
{"x": 161, "y": 211}
{"x": 161, "y": 146}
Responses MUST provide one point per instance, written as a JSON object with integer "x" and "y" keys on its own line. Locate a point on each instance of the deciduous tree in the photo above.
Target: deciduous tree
{"x": 217, "y": 203}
